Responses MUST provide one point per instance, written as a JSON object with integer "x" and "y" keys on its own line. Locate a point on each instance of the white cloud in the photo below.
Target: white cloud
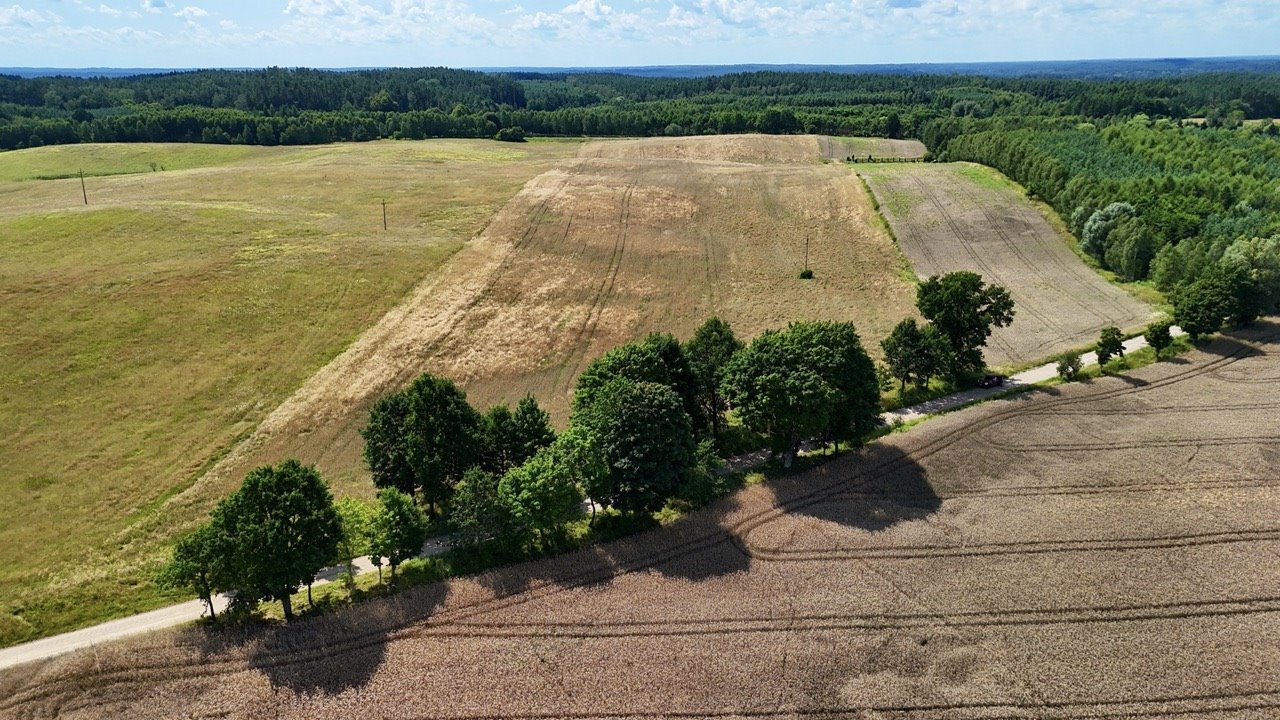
{"x": 154, "y": 6}
{"x": 18, "y": 16}
{"x": 191, "y": 12}
{"x": 108, "y": 10}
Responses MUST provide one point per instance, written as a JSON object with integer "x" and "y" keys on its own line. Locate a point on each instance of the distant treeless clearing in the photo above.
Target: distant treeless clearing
{"x": 960, "y": 216}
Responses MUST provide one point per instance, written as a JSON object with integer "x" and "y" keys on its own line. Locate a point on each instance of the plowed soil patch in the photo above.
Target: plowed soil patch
{"x": 966, "y": 217}
{"x": 973, "y": 568}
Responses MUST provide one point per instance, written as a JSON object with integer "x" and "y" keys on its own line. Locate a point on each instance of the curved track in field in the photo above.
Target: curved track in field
{"x": 1035, "y": 583}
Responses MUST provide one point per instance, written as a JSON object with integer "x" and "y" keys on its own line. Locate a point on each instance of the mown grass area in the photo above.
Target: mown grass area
{"x": 97, "y": 160}
{"x": 147, "y": 333}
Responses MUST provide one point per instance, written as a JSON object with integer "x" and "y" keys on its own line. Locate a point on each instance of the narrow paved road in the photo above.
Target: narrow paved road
{"x": 193, "y": 610}
{"x": 1038, "y": 374}
{"x": 165, "y": 617}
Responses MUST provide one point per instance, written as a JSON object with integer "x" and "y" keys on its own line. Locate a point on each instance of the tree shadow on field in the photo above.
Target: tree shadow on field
{"x": 1233, "y": 343}
{"x": 873, "y": 491}
{"x": 587, "y": 567}
{"x": 330, "y": 652}
{"x": 1130, "y": 380}
{"x": 701, "y": 546}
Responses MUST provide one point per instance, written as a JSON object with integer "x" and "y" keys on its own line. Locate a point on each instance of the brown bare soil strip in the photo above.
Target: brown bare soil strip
{"x": 1152, "y": 595}
{"x": 963, "y": 217}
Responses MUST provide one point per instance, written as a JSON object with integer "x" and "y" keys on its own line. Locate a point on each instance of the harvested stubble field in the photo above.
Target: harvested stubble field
{"x": 1102, "y": 550}
{"x": 959, "y": 216}
{"x": 148, "y": 332}
{"x": 839, "y": 148}
{"x": 630, "y": 237}
{"x": 189, "y": 325}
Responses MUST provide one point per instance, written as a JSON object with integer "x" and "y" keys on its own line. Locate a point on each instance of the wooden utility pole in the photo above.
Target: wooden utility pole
{"x": 384, "y": 215}
{"x": 83, "y": 192}
{"x": 806, "y": 253}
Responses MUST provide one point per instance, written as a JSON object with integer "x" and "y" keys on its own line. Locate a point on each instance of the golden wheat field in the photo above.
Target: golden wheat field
{"x": 1101, "y": 550}
{"x": 595, "y": 252}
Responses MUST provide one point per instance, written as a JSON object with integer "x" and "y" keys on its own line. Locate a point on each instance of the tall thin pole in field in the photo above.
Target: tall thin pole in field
{"x": 83, "y": 192}
{"x": 806, "y": 252}
{"x": 384, "y": 215}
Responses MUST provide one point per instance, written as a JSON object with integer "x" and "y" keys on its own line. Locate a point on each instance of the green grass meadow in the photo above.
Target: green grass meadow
{"x": 146, "y": 333}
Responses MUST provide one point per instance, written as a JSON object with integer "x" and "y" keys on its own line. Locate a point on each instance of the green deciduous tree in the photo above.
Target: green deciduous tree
{"x": 423, "y": 439}
{"x": 808, "y": 380}
{"x": 477, "y": 514}
{"x": 915, "y": 353}
{"x": 708, "y": 351}
{"x": 399, "y": 528}
{"x": 1202, "y": 306}
{"x": 1158, "y": 336}
{"x": 511, "y": 438}
{"x": 964, "y": 309}
{"x": 1110, "y": 345}
{"x": 659, "y": 358}
{"x": 1096, "y": 236}
{"x": 1069, "y": 365}
{"x": 356, "y": 518}
{"x": 544, "y": 492}
{"x": 281, "y": 529}
{"x": 199, "y": 565}
{"x": 1257, "y": 262}
{"x": 645, "y": 439}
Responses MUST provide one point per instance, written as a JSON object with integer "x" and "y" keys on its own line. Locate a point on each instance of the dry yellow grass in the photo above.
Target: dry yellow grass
{"x": 1104, "y": 551}
{"x": 147, "y": 333}
{"x": 752, "y": 149}
{"x": 591, "y": 254}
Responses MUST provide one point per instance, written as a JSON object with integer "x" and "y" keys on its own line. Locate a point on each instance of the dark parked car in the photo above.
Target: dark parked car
{"x": 990, "y": 381}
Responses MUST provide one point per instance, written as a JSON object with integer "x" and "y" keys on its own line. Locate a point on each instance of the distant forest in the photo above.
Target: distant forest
{"x": 1168, "y": 178}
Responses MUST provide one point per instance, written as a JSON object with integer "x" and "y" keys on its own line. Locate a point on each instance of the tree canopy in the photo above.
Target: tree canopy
{"x": 965, "y": 310}
{"x": 280, "y": 528}
{"x": 811, "y": 379}
{"x": 423, "y": 439}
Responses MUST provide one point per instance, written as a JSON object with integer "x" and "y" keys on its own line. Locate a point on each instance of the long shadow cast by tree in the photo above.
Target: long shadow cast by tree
{"x": 872, "y": 490}
{"x": 327, "y": 653}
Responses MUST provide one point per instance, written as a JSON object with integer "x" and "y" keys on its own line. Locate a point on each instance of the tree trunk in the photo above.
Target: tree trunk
{"x": 310, "y": 602}
{"x": 287, "y": 603}
{"x": 208, "y": 599}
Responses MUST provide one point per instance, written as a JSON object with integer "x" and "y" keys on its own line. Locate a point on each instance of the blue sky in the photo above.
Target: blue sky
{"x": 472, "y": 33}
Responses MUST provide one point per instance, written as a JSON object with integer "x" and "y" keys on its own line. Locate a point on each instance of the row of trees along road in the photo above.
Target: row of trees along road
{"x": 642, "y": 431}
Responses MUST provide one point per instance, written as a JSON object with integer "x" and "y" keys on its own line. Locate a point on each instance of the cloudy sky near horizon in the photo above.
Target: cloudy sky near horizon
{"x": 476, "y": 33}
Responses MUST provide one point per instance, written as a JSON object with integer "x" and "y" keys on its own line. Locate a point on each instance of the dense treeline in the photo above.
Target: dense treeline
{"x": 1148, "y": 199}
{"x": 293, "y": 106}
{"x": 1150, "y": 194}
